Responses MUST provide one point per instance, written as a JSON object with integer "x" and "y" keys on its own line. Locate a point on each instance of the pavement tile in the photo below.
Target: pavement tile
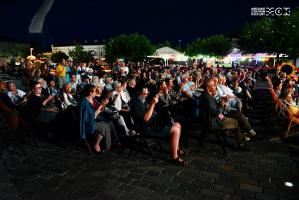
{"x": 157, "y": 187}
{"x": 128, "y": 188}
{"x": 143, "y": 191}
{"x": 193, "y": 196}
{"x": 152, "y": 173}
{"x": 231, "y": 197}
{"x": 208, "y": 174}
{"x": 176, "y": 192}
{"x": 203, "y": 183}
{"x": 160, "y": 196}
{"x": 245, "y": 193}
{"x": 177, "y": 198}
{"x": 184, "y": 179}
{"x": 252, "y": 188}
{"x": 224, "y": 189}
{"x": 124, "y": 180}
{"x": 134, "y": 176}
{"x": 210, "y": 193}
{"x": 140, "y": 183}
{"x": 261, "y": 196}
{"x": 157, "y": 180}
{"x": 129, "y": 196}
{"x": 189, "y": 188}
{"x": 113, "y": 192}
{"x": 171, "y": 184}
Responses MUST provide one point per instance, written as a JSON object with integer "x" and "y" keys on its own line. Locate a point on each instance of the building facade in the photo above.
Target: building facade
{"x": 98, "y": 51}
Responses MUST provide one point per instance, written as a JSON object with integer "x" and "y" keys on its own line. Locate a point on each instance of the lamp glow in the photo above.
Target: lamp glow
{"x": 288, "y": 184}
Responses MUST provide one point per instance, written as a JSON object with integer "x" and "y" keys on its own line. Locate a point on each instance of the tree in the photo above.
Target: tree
{"x": 216, "y": 45}
{"x": 14, "y": 49}
{"x": 133, "y": 47}
{"x": 272, "y": 35}
{"x": 79, "y": 55}
{"x": 59, "y": 56}
{"x": 194, "y": 48}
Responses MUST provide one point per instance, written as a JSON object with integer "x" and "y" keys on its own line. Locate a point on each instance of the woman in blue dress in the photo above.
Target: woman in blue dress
{"x": 89, "y": 111}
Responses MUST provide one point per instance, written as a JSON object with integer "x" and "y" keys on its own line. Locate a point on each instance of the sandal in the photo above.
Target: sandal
{"x": 183, "y": 153}
{"x": 179, "y": 161}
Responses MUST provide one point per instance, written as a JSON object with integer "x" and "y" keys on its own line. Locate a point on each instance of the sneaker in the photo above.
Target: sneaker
{"x": 245, "y": 139}
{"x": 252, "y": 132}
{"x": 132, "y": 133}
{"x": 179, "y": 161}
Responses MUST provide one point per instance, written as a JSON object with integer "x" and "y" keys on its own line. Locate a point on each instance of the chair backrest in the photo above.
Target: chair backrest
{"x": 293, "y": 113}
{"x": 286, "y": 109}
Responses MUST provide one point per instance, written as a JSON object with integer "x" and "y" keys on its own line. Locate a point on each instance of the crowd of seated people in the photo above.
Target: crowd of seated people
{"x": 112, "y": 106}
{"x": 285, "y": 89}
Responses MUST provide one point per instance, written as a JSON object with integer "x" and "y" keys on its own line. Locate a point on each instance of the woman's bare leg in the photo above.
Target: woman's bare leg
{"x": 97, "y": 146}
{"x": 175, "y": 133}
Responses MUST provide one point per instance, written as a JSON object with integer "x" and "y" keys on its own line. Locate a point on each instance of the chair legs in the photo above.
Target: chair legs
{"x": 149, "y": 150}
{"x": 221, "y": 142}
{"x": 219, "y": 134}
{"x": 288, "y": 130}
{"x": 148, "y": 147}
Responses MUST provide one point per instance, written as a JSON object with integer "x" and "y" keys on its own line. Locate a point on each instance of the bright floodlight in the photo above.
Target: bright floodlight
{"x": 288, "y": 184}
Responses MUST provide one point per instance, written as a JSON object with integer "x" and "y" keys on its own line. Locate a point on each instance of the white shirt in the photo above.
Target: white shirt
{"x": 16, "y": 97}
{"x": 186, "y": 88}
{"x": 125, "y": 96}
{"x": 67, "y": 98}
{"x": 223, "y": 90}
{"x": 117, "y": 102}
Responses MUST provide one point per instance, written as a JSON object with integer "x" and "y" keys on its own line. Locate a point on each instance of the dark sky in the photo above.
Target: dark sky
{"x": 159, "y": 20}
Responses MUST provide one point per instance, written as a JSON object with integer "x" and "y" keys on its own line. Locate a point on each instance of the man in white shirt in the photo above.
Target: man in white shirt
{"x": 13, "y": 93}
{"x": 224, "y": 91}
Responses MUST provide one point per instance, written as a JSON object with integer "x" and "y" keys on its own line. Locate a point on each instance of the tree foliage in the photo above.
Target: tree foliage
{"x": 133, "y": 47}
{"x": 57, "y": 57}
{"x": 216, "y": 45}
{"x": 272, "y": 35}
{"x": 79, "y": 55}
{"x": 14, "y": 49}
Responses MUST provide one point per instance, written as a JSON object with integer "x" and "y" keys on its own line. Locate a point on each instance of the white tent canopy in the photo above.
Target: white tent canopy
{"x": 168, "y": 53}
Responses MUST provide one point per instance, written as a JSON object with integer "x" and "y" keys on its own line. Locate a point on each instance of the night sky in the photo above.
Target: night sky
{"x": 159, "y": 20}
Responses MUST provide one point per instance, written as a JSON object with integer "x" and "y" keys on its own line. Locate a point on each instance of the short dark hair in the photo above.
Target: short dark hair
{"x": 142, "y": 88}
{"x": 167, "y": 80}
{"x": 33, "y": 84}
{"x": 9, "y": 82}
{"x": 206, "y": 83}
{"x": 87, "y": 89}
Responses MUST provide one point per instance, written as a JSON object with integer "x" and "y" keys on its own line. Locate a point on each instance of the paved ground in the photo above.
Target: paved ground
{"x": 257, "y": 172}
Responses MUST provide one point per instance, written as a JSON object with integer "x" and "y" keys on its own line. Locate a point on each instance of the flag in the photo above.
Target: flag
{"x": 38, "y": 19}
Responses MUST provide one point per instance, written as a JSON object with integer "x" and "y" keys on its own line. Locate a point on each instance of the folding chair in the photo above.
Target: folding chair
{"x": 220, "y": 134}
{"x": 293, "y": 119}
